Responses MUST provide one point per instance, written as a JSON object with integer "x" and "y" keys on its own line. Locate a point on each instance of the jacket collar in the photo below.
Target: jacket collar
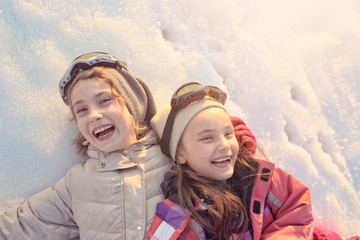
{"x": 121, "y": 159}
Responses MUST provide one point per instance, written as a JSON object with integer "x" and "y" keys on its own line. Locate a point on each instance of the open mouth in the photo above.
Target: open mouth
{"x": 221, "y": 162}
{"x": 103, "y": 131}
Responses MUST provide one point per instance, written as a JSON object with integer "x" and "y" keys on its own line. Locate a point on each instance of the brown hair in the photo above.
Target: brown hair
{"x": 224, "y": 195}
{"x": 98, "y": 73}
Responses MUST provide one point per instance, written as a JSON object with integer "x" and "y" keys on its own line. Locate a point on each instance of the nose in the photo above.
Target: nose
{"x": 224, "y": 144}
{"x": 95, "y": 115}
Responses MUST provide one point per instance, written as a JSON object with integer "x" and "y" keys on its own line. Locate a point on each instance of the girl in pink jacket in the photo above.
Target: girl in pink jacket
{"x": 227, "y": 193}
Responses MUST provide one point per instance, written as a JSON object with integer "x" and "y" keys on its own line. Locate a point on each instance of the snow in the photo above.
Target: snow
{"x": 291, "y": 69}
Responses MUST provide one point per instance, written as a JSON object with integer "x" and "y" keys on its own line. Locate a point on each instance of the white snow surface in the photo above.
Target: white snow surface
{"x": 291, "y": 69}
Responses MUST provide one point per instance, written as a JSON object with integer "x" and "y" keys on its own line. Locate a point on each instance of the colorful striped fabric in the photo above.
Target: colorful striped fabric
{"x": 169, "y": 222}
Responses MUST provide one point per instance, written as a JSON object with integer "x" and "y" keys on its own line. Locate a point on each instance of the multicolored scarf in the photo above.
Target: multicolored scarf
{"x": 170, "y": 221}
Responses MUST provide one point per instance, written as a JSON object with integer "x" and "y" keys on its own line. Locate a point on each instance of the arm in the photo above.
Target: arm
{"x": 43, "y": 216}
{"x": 292, "y": 213}
{"x": 293, "y": 219}
{"x": 243, "y": 134}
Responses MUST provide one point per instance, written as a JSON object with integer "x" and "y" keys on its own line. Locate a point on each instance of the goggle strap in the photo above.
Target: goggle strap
{"x": 165, "y": 139}
{"x": 190, "y": 98}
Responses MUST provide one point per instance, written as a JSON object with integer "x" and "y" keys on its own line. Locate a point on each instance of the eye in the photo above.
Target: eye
{"x": 105, "y": 101}
{"x": 207, "y": 138}
{"x": 80, "y": 110}
{"x": 229, "y": 134}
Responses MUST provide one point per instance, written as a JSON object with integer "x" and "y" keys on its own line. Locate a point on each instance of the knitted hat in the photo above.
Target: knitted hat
{"x": 133, "y": 90}
{"x": 181, "y": 120}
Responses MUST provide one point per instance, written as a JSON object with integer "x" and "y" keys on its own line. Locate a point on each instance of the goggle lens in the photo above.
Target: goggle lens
{"x": 88, "y": 56}
{"x": 190, "y": 87}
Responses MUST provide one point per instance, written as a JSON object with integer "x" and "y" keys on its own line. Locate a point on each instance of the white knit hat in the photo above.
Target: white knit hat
{"x": 182, "y": 119}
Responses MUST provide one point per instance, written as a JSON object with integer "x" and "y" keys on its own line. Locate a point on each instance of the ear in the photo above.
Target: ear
{"x": 180, "y": 154}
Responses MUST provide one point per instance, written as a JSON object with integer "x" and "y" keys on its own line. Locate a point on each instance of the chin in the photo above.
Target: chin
{"x": 224, "y": 178}
{"x": 229, "y": 175}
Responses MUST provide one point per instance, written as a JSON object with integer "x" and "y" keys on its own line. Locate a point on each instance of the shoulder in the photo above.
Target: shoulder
{"x": 265, "y": 166}
{"x": 150, "y": 138}
{"x": 281, "y": 184}
{"x": 283, "y": 179}
{"x": 279, "y": 177}
{"x": 88, "y": 165}
{"x": 150, "y": 143}
{"x": 286, "y": 188}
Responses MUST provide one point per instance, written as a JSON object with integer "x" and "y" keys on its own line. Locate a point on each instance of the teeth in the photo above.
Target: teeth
{"x": 99, "y": 130}
{"x": 220, "y": 160}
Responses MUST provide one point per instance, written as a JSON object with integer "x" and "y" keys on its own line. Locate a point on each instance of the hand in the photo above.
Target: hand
{"x": 243, "y": 134}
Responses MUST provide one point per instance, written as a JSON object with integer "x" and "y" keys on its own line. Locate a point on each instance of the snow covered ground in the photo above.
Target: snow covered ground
{"x": 291, "y": 69}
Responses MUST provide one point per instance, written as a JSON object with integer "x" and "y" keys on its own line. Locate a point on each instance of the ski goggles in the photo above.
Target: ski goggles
{"x": 84, "y": 62}
{"x": 184, "y": 96}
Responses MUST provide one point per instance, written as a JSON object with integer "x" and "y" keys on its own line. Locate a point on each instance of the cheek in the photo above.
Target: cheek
{"x": 123, "y": 120}
{"x": 200, "y": 153}
{"x": 82, "y": 127}
{"x": 235, "y": 146}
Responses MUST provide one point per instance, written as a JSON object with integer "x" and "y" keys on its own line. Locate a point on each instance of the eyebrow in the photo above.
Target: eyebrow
{"x": 228, "y": 127}
{"x": 205, "y": 131}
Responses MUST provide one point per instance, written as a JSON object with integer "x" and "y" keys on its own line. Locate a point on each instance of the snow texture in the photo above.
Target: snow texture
{"x": 291, "y": 69}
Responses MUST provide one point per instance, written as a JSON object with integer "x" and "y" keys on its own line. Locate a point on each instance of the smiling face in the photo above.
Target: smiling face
{"x": 101, "y": 118}
{"x": 208, "y": 144}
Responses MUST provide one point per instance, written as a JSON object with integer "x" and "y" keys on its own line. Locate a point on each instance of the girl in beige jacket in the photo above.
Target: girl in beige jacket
{"x": 113, "y": 194}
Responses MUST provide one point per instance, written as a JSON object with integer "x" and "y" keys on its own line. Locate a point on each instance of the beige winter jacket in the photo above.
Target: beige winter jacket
{"x": 110, "y": 196}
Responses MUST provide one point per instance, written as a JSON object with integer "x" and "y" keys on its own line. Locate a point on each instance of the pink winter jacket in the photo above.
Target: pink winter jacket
{"x": 280, "y": 206}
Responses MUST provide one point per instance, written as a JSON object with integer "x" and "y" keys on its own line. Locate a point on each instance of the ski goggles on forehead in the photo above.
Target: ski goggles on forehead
{"x": 184, "y": 96}
{"x": 193, "y": 92}
{"x": 85, "y": 62}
